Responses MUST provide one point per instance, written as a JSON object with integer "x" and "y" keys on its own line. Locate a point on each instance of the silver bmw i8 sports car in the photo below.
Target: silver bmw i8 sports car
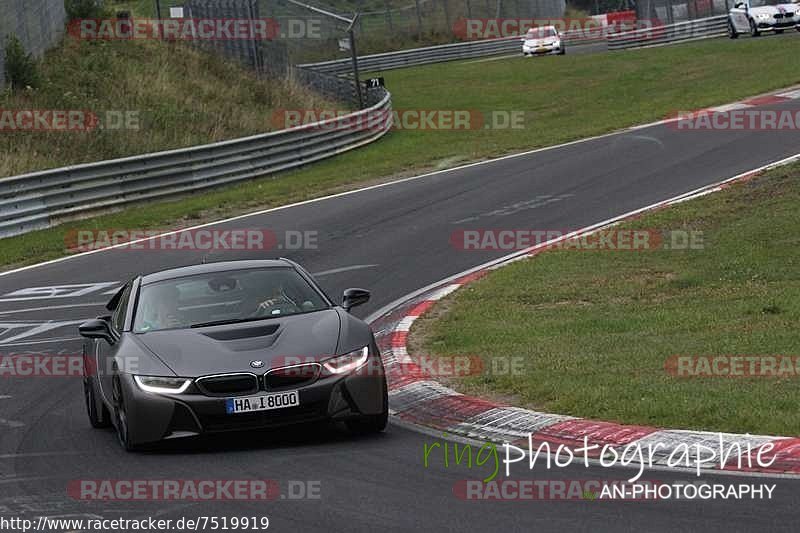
{"x": 230, "y": 346}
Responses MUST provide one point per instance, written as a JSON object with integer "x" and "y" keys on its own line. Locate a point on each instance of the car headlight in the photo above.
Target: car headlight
{"x": 347, "y": 362}
{"x": 162, "y": 385}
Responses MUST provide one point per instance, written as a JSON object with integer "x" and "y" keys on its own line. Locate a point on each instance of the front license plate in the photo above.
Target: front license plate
{"x": 541, "y": 50}
{"x": 266, "y": 402}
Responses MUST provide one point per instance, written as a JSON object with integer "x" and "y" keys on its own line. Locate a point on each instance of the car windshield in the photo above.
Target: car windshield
{"x": 541, "y": 33}
{"x": 224, "y": 298}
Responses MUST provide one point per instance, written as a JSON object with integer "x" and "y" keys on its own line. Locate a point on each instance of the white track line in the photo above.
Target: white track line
{"x": 348, "y": 193}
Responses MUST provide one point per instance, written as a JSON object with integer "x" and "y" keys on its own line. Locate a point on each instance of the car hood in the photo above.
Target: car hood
{"x": 541, "y": 42}
{"x": 774, "y": 10}
{"x": 231, "y": 348}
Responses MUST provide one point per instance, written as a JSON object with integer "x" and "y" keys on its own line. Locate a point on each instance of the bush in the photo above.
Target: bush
{"x": 83, "y": 9}
{"x": 20, "y": 68}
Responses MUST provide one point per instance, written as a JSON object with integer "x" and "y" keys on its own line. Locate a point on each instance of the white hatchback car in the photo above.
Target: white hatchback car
{"x": 756, "y": 16}
{"x": 543, "y": 40}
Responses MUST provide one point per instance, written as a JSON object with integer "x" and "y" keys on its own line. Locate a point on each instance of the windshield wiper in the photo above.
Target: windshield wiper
{"x": 231, "y": 321}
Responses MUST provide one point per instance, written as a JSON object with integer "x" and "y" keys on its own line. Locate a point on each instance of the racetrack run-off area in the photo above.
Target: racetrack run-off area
{"x": 396, "y": 238}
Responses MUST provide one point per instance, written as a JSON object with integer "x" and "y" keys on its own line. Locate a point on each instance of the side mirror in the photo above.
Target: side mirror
{"x": 354, "y": 297}
{"x": 97, "y": 329}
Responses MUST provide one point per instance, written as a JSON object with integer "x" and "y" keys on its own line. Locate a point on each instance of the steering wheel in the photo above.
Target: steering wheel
{"x": 280, "y": 304}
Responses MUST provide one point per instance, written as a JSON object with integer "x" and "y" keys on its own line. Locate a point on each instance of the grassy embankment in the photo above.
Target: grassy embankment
{"x": 562, "y": 98}
{"x": 597, "y": 328}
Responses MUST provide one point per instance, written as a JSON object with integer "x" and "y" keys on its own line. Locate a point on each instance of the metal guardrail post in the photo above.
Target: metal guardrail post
{"x": 354, "y": 58}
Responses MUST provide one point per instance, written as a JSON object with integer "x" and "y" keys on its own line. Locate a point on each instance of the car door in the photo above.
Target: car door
{"x": 739, "y": 16}
{"x": 106, "y": 352}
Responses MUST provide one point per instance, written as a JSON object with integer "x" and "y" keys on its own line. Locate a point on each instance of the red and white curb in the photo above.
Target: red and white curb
{"x": 774, "y": 98}
{"x": 756, "y": 101}
{"x": 417, "y": 398}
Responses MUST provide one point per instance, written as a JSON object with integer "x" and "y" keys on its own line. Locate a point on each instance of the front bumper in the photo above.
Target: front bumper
{"x": 540, "y": 50}
{"x": 156, "y": 417}
{"x": 768, "y": 25}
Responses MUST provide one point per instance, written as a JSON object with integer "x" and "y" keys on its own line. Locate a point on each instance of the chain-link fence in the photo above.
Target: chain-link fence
{"x": 247, "y": 51}
{"x": 417, "y": 17}
{"x": 390, "y": 25}
{"x": 671, "y": 11}
{"x": 302, "y": 34}
{"x": 37, "y": 23}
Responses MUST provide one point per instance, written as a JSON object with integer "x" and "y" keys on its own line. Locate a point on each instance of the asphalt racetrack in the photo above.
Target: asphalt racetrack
{"x": 391, "y": 239}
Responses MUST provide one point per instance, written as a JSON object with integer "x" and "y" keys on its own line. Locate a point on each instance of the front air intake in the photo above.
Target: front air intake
{"x": 228, "y": 384}
{"x": 292, "y": 376}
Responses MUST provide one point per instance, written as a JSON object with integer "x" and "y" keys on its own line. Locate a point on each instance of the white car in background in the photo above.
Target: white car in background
{"x": 756, "y": 16}
{"x": 543, "y": 40}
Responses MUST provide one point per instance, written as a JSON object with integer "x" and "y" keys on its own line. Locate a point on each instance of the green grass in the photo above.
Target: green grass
{"x": 563, "y": 98}
{"x": 181, "y": 97}
{"x": 595, "y": 328}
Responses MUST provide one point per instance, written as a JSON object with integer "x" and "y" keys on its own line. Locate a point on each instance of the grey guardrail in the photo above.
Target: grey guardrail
{"x": 441, "y": 53}
{"x": 42, "y": 199}
{"x": 682, "y": 31}
{"x": 421, "y": 56}
{"x": 587, "y": 36}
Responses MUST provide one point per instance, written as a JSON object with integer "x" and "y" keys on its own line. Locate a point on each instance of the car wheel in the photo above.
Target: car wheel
{"x": 754, "y": 29}
{"x": 778, "y": 31}
{"x": 98, "y": 419}
{"x": 121, "y": 416}
{"x": 732, "y": 33}
{"x": 372, "y": 424}
{"x": 563, "y": 51}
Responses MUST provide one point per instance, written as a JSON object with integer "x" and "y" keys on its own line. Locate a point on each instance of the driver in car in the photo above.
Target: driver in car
{"x": 277, "y": 304}
{"x": 161, "y": 311}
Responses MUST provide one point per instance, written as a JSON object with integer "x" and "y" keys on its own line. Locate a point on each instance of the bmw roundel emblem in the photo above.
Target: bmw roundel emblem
{"x": 256, "y": 364}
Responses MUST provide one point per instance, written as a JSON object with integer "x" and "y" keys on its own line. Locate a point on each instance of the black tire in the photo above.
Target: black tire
{"x": 370, "y": 425}
{"x": 732, "y": 33}
{"x": 754, "y": 29}
{"x": 121, "y": 417}
{"x": 563, "y": 51}
{"x": 778, "y": 31}
{"x": 98, "y": 419}
{"x": 797, "y": 27}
